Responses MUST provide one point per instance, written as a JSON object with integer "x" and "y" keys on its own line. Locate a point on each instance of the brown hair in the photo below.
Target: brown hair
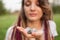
{"x": 47, "y": 15}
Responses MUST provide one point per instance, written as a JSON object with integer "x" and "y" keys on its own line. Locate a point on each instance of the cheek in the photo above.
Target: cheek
{"x": 26, "y": 9}
{"x": 40, "y": 12}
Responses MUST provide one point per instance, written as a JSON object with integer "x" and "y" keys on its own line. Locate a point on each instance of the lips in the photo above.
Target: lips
{"x": 32, "y": 14}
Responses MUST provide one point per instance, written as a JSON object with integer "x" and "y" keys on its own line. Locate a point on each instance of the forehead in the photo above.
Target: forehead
{"x": 30, "y": 0}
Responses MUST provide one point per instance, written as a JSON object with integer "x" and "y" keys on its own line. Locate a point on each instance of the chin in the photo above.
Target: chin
{"x": 33, "y": 19}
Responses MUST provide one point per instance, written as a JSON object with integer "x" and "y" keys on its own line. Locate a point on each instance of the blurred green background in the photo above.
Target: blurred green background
{"x": 7, "y": 19}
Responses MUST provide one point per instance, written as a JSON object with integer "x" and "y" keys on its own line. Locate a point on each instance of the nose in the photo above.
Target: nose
{"x": 32, "y": 7}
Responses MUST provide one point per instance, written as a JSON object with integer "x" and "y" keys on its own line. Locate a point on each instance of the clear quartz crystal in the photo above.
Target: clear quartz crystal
{"x": 34, "y": 30}
{"x": 30, "y": 30}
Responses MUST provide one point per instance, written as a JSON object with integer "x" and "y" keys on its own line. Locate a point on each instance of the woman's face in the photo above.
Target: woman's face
{"x": 32, "y": 10}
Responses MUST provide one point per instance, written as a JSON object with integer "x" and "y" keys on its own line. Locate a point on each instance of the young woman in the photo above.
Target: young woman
{"x": 34, "y": 22}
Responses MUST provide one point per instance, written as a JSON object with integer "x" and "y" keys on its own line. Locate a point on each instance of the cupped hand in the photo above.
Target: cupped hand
{"x": 37, "y": 34}
{"x": 24, "y": 32}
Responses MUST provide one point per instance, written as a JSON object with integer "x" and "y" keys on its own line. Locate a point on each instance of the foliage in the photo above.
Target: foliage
{"x": 56, "y": 9}
{"x": 2, "y": 9}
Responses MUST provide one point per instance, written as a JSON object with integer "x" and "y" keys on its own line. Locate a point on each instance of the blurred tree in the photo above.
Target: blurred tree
{"x": 56, "y": 9}
{"x": 2, "y": 9}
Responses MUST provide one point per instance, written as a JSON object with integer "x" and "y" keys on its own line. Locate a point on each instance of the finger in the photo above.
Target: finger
{"x": 33, "y": 33}
{"x": 20, "y": 29}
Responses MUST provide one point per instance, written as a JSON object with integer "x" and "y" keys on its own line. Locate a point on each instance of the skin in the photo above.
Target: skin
{"x": 32, "y": 10}
{"x": 33, "y": 14}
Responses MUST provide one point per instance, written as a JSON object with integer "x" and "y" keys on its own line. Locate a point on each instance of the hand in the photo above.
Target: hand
{"x": 37, "y": 34}
{"x": 21, "y": 29}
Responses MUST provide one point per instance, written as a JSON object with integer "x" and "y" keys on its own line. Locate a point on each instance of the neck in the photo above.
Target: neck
{"x": 34, "y": 24}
